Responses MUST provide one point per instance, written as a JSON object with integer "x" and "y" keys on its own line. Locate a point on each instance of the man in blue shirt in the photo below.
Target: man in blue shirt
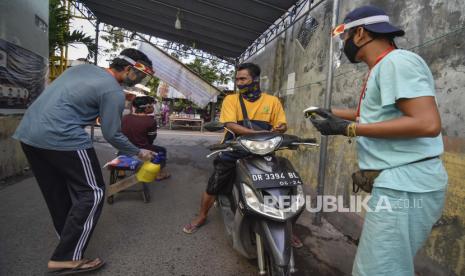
{"x": 398, "y": 130}
{"x": 61, "y": 155}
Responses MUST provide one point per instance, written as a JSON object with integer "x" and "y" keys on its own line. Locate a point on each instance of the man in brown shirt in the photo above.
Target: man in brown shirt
{"x": 141, "y": 129}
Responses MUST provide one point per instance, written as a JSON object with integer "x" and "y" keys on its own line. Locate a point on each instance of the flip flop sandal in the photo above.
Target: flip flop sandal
{"x": 76, "y": 269}
{"x": 192, "y": 228}
{"x": 165, "y": 176}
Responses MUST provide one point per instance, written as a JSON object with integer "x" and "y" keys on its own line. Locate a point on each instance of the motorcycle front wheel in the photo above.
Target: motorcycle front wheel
{"x": 272, "y": 269}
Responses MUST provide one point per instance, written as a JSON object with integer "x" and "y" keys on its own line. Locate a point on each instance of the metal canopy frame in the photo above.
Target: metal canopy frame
{"x": 224, "y": 28}
{"x": 285, "y": 22}
{"x": 161, "y": 43}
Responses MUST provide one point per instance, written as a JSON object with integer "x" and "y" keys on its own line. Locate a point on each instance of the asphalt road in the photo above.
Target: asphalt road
{"x": 133, "y": 237}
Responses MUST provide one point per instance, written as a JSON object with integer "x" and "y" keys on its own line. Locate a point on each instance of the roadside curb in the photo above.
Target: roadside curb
{"x": 327, "y": 244}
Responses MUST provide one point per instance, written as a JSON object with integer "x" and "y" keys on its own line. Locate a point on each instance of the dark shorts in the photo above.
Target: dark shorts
{"x": 222, "y": 179}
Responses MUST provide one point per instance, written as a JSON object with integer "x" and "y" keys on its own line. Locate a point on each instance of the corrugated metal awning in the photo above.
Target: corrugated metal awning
{"x": 224, "y": 28}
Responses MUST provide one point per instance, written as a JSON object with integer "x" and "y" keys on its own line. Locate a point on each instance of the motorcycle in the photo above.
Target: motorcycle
{"x": 266, "y": 200}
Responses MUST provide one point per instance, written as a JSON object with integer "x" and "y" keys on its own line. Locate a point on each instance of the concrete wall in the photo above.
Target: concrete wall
{"x": 25, "y": 23}
{"x": 435, "y": 29}
{"x": 12, "y": 159}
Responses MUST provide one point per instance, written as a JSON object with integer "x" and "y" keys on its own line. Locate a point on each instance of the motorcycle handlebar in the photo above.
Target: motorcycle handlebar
{"x": 291, "y": 140}
{"x": 307, "y": 140}
{"x": 218, "y": 147}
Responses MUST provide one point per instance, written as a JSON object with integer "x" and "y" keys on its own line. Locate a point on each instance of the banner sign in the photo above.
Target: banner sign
{"x": 170, "y": 70}
{"x": 22, "y": 76}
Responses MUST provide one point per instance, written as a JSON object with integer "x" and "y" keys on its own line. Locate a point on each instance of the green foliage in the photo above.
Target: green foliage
{"x": 79, "y": 37}
{"x": 153, "y": 85}
{"x": 59, "y": 34}
{"x": 207, "y": 66}
{"x": 183, "y": 105}
{"x": 117, "y": 38}
{"x": 211, "y": 70}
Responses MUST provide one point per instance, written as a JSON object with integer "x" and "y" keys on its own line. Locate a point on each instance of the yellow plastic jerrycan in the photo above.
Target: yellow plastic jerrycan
{"x": 148, "y": 172}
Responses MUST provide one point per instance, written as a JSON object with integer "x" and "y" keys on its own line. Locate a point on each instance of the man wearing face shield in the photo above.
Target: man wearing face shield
{"x": 398, "y": 131}
{"x": 61, "y": 154}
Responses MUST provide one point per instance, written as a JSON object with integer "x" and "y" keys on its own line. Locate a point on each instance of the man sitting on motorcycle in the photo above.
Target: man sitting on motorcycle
{"x": 265, "y": 113}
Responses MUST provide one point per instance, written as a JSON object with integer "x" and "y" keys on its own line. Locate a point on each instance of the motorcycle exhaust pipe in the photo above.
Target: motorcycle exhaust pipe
{"x": 260, "y": 255}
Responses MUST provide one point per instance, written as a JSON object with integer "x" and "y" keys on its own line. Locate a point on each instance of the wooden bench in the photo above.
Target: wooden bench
{"x": 186, "y": 119}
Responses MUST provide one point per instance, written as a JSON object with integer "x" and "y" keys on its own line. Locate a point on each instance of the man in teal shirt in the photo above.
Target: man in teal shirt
{"x": 61, "y": 155}
{"x": 397, "y": 125}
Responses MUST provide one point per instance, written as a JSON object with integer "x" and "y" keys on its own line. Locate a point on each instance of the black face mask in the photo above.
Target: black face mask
{"x": 351, "y": 50}
{"x": 251, "y": 92}
{"x": 128, "y": 82}
{"x": 131, "y": 82}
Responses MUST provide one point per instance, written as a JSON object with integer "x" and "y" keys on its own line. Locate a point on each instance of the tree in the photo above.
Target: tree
{"x": 60, "y": 37}
{"x": 118, "y": 38}
{"x": 153, "y": 85}
{"x": 211, "y": 71}
{"x": 211, "y": 68}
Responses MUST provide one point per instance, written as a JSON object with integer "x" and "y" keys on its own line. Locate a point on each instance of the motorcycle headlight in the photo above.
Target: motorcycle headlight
{"x": 254, "y": 203}
{"x": 262, "y": 147}
{"x": 274, "y": 210}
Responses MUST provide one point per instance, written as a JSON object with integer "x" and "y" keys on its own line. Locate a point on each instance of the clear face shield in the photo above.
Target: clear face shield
{"x": 339, "y": 33}
{"x": 338, "y": 43}
{"x": 143, "y": 72}
{"x": 138, "y": 73}
{"x": 137, "y": 76}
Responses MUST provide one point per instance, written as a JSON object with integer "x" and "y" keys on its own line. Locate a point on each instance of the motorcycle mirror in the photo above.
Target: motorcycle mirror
{"x": 230, "y": 131}
{"x": 213, "y": 126}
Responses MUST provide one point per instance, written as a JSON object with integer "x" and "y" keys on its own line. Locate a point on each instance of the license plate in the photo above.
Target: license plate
{"x": 275, "y": 180}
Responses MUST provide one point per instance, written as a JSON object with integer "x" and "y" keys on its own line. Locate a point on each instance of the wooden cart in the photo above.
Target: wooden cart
{"x": 120, "y": 184}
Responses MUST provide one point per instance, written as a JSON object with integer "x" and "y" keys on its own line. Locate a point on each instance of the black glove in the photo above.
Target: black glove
{"x": 317, "y": 111}
{"x": 330, "y": 124}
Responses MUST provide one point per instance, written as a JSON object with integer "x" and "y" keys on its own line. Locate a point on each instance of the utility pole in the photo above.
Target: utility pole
{"x": 327, "y": 105}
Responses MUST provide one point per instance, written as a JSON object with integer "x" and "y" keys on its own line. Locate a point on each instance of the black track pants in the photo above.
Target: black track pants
{"x": 73, "y": 188}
